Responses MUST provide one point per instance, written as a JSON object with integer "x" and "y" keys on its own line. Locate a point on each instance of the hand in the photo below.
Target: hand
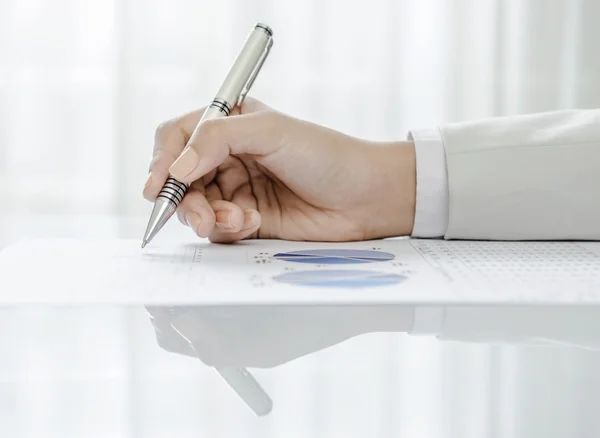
{"x": 261, "y": 174}
{"x": 265, "y": 337}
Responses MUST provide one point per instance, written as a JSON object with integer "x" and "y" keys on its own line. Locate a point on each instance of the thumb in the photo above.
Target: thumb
{"x": 214, "y": 140}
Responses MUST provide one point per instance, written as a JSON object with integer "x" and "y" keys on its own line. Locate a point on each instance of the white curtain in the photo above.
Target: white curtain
{"x": 83, "y": 84}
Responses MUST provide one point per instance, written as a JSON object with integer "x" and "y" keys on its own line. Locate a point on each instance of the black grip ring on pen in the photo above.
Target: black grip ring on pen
{"x": 221, "y": 105}
{"x": 173, "y": 191}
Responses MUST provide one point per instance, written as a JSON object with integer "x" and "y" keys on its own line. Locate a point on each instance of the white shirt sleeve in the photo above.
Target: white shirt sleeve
{"x": 431, "y": 212}
{"x": 522, "y": 177}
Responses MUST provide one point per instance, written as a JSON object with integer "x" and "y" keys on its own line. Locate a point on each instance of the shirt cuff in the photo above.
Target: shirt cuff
{"x": 431, "y": 212}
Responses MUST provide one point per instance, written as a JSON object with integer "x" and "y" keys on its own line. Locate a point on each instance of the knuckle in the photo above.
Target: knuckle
{"x": 271, "y": 121}
{"x": 161, "y": 160}
{"x": 164, "y": 128}
{"x": 251, "y": 105}
{"x": 270, "y": 116}
{"x": 211, "y": 128}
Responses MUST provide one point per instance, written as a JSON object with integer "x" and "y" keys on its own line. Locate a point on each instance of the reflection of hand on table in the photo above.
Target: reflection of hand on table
{"x": 175, "y": 332}
{"x": 264, "y": 337}
{"x": 231, "y": 338}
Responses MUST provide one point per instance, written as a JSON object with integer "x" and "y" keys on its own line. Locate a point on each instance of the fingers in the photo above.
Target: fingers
{"x": 220, "y": 220}
{"x": 188, "y": 151}
{"x": 252, "y": 222}
{"x": 169, "y": 140}
{"x": 196, "y": 212}
{"x": 229, "y": 217}
{"x": 213, "y": 140}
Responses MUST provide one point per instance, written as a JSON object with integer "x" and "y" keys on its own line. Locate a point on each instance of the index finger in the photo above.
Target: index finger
{"x": 169, "y": 140}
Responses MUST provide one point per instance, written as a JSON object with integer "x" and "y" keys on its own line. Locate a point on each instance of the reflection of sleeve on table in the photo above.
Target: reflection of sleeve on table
{"x": 557, "y": 325}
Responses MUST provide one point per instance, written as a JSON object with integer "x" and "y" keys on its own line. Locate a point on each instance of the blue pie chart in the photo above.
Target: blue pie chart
{"x": 334, "y": 256}
{"x": 343, "y": 278}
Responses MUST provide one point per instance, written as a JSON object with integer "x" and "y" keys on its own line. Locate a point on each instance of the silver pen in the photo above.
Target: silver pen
{"x": 232, "y": 93}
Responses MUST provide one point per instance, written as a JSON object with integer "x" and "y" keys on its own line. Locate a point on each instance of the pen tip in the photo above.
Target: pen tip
{"x": 144, "y": 244}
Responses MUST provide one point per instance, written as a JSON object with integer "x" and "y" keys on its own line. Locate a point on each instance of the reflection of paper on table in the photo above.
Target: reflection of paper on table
{"x": 399, "y": 271}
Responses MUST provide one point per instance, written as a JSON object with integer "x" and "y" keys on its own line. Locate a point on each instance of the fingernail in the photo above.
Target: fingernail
{"x": 193, "y": 220}
{"x": 250, "y": 220}
{"x": 224, "y": 219}
{"x": 185, "y": 164}
{"x": 148, "y": 181}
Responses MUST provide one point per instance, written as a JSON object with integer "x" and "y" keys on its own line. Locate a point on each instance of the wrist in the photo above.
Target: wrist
{"x": 394, "y": 191}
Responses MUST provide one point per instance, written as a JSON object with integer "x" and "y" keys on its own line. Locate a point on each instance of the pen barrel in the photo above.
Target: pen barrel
{"x": 173, "y": 190}
{"x": 240, "y": 72}
{"x": 240, "y": 78}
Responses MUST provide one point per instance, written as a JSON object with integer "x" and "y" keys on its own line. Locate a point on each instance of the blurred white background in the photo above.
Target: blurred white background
{"x": 84, "y": 83}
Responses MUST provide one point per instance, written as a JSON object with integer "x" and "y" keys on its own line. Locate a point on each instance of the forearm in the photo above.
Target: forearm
{"x": 414, "y": 199}
{"x": 395, "y": 189}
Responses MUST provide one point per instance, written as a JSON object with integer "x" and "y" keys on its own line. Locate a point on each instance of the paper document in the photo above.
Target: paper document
{"x": 401, "y": 271}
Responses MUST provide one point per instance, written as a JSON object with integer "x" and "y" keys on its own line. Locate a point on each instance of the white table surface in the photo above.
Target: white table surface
{"x": 95, "y": 371}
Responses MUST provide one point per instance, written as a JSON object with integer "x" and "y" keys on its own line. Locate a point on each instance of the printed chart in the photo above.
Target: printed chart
{"x": 337, "y": 278}
{"x": 334, "y": 256}
{"x": 340, "y": 278}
